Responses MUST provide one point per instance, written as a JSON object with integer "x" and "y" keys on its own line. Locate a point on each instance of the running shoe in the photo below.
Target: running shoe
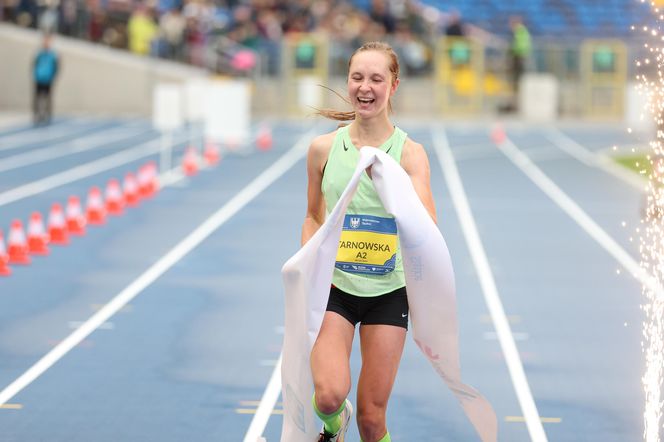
{"x": 345, "y": 422}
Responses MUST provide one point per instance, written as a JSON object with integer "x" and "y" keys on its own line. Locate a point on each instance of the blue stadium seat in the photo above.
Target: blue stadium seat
{"x": 586, "y": 18}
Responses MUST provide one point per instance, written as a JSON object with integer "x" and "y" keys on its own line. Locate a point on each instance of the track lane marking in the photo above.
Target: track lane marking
{"x": 256, "y": 403}
{"x": 266, "y": 405}
{"x": 11, "y": 407}
{"x": 574, "y": 211}
{"x": 545, "y": 420}
{"x": 126, "y": 309}
{"x": 255, "y": 411}
{"x": 72, "y": 128}
{"x": 518, "y": 336}
{"x": 69, "y": 147}
{"x": 488, "y": 284}
{"x": 592, "y": 159}
{"x": 512, "y": 319}
{"x": 143, "y": 150}
{"x": 209, "y": 226}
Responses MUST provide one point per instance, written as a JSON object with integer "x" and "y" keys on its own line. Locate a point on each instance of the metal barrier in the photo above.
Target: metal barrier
{"x": 603, "y": 67}
{"x": 459, "y": 75}
{"x": 305, "y": 59}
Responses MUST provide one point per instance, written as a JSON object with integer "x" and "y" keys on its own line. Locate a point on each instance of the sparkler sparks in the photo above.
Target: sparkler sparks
{"x": 651, "y": 233}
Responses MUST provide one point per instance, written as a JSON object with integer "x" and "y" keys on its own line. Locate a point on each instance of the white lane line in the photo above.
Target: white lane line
{"x": 491, "y": 296}
{"x": 518, "y": 336}
{"x": 632, "y": 148}
{"x": 266, "y": 405}
{"x": 84, "y": 170}
{"x": 69, "y": 147}
{"x": 217, "y": 219}
{"x": 19, "y": 140}
{"x": 105, "y": 326}
{"x": 599, "y": 161}
{"x": 523, "y": 162}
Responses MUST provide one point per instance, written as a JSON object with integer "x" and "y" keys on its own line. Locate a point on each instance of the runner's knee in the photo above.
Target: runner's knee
{"x": 371, "y": 423}
{"x": 330, "y": 398}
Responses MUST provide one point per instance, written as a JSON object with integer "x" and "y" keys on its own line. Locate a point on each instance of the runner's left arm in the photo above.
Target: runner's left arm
{"x": 415, "y": 162}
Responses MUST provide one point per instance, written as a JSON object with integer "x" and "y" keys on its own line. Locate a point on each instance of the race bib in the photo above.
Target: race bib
{"x": 368, "y": 245}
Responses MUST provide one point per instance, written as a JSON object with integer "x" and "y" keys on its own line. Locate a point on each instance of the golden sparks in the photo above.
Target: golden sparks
{"x": 651, "y": 235}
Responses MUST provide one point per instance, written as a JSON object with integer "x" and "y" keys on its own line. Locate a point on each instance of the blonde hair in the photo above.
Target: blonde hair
{"x": 380, "y": 46}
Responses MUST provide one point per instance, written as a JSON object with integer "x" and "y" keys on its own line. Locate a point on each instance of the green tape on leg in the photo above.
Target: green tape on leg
{"x": 331, "y": 422}
{"x": 385, "y": 438}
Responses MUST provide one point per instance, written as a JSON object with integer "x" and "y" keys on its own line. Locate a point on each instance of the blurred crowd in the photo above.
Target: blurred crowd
{"x": 239, "y": 35}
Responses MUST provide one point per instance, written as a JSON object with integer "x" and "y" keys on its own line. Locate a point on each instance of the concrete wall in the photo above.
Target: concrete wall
{"x": 93, "y": 78}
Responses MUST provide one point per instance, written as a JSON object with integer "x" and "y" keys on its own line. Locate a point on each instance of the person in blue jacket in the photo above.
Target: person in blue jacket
{"x": 44, "y": 71}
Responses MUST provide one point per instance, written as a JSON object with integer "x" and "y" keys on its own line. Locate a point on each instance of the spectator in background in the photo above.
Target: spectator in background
{"x": 412, "y": 14}
{"x": 96, "y": 24}
{"x": 44, "y": 71}
{"x": 69, "y": 18}
{"x": 411, "y": 49}
{"x": 261, "y": 25}
{"x": 380, "y": 13}
{"x": 26, "y": 13}
{"x": 268, "y": 25}
{"x": 171, "y": 27}
{"x": 519, "y": 53}
{"x": 48, "y": 16}
{"x": 202, "y": 20}
{"x": 141, "y": 30}
{"x": 195, "y": 38}
{"x": 455, "y": 26}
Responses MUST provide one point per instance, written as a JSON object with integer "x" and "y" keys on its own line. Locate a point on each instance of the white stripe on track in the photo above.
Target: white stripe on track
{"x": 69, "y": 147}
{"x": 546, "y": 185}
{"x": 265, "y": 406}
{"x": 72, "y": 128}
{"x": 84, "y": 170}
{"x": 592, "y": 159}
{"x": 491, "y": 296}
{"x": 217, "y": 219}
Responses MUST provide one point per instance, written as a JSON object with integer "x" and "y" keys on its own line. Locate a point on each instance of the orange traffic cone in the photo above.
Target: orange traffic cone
{"x": 211, "y": 153}
{"x": 18, "y": 246}
{"x": 130, "y": 188}
{"x": 75, "y": 218}
{"x": 114, "y": 199}
{"x": 37, "y": 237}
{"x": 153, "y": 179}
{"x": 498, "y": 134}
{"x": 4, "y": 258}
{"x": 264, "y": 138}
{"x": 143, "y": 183}
{"x": 190, "y": 162}
{"x": 147, "y": 180}
{"x": 57, "y": 226}
{"x": 233, "y": 144}
{"x": 95, "y": 211}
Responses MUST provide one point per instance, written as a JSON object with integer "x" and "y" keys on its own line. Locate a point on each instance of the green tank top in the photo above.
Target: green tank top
{"x": 369, "y": 258}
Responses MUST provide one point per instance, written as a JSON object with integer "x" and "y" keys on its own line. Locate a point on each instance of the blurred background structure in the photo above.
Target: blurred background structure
{"x": 577, "y": 62}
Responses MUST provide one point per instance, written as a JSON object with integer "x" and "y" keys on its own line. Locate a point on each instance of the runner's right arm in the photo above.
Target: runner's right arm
{"x": 316, "y": 158}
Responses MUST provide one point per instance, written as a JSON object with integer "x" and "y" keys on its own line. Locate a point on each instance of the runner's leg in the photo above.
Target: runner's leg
{"x": 330, "y": 367}
{"x": 382, "y": 346}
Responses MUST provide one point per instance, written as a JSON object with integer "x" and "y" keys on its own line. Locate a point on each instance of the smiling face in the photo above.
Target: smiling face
{"x": 371, "y": 83}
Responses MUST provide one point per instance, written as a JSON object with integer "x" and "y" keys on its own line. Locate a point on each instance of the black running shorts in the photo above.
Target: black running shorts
{"x": 388, "y": 309}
